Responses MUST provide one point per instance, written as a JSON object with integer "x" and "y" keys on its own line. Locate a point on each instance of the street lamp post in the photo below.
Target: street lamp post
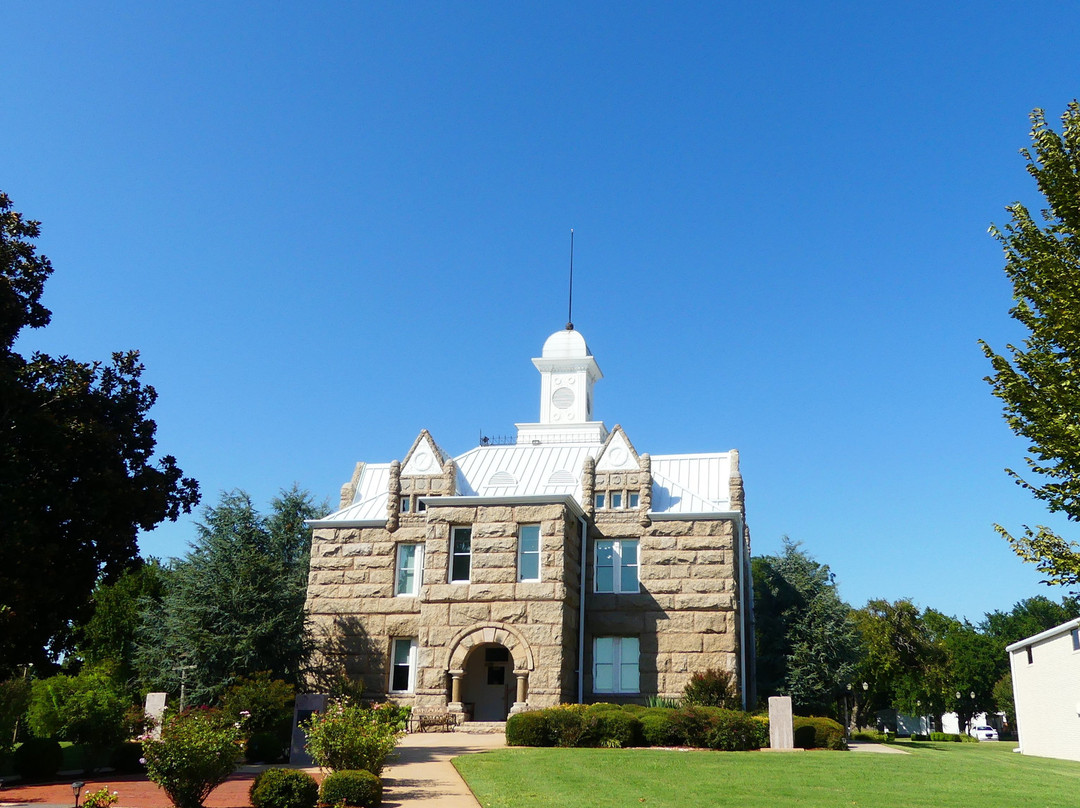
{"x": 76, "y": 787}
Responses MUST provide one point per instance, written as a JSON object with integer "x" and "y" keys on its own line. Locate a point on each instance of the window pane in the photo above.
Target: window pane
{"x": 530, "y": 567}
{"x": 628, "y": 581}
{"x": 628, "y": 667}
{"x": 605, "y": 579}
{"x": 405, "y": 504}
{"x": 599, "y": 500}
{"x": 603, "y": 681}
{"x": 634, "y": 500}
{"x": 461, "y": 568}
{"x": 401, "y": 652}
{"x": 629, "y": 552}
{"x": 605, "y": 650}
{"x": 462, "y": 539}
{"x": 603, "y": 667}
{"x": 605, "y": 552}
{"x": 616, "y": 500}
{"x": 530, "y": 538}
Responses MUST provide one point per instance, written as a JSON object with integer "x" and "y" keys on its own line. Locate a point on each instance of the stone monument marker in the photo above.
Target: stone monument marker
{"x": 781, "y": 733}
{"x": 306, "y": 705}
{"x": 155, "y": 708}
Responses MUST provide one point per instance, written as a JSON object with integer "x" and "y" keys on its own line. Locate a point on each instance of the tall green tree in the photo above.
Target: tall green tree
{"x": 806, "y": 641}
{"x": 1039, "y": 381}
{"x": 904, "y": 667}
{"x": 234, "y": 606}
{"x": 78, "y": 477}
{"x": 974, "y": 662}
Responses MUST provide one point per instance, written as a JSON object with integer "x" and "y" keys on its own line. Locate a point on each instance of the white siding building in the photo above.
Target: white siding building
{"x": 1046, "y": 687}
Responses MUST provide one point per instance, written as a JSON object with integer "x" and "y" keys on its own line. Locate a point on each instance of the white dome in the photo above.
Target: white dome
{"x": 565, "y": 344}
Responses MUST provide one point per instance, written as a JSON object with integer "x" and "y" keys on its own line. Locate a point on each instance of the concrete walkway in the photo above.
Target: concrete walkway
{"x": 879, "y": 748}
{"x": 422, "y": 774}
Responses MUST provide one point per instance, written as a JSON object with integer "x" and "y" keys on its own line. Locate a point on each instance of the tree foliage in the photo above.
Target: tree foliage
{"x": 86, "y": 708}
{"x": 78, "y": 478}
{"x": 234, "y": 605}
{"x": 1039, "y": 382}
{"x": 806, "y": 641}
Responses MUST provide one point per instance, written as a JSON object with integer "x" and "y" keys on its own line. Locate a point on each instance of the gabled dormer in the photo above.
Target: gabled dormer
{"x": 427, "y": 471}
{"x": 622, "y": 483}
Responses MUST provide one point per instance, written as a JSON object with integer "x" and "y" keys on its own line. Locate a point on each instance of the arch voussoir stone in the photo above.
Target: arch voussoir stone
{"x": 481, "y": 633}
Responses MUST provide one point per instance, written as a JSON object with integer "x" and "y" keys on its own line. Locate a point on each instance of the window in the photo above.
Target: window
{"x": 421, "y": 506}
{"x": 600, "y": 501}
{"x": 529, "y": 553}
{"x": 634, "y": 499}
{"x": 616, "y": 565}
{"x": 405, "y": 503}
{"x": 410, "y": 569}
{"x": 460, "y": 554}
{"x": 1030, "y": 659}
{"x": 1076, "y": 639}
{"x": 616, "y": 499}
{"x": 615, "y": 665}
{"x": 403, "y": 666}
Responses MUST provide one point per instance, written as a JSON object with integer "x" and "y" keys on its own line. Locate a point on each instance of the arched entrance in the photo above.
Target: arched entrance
{"x": 488, "y": 684}
{"x": 489, "y": 668}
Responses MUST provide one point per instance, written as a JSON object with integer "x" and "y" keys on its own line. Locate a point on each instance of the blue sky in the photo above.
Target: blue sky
{"x": 330, "y": 225}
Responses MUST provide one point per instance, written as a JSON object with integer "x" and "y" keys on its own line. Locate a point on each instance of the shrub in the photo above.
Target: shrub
{"x": 693, "y": 725}
{"x": 38, "y": 759}
{"x": 918, "y": 736}
{"x": 125, "y": 757}
{"x": 615, "y": 728}
{"x": 264, "y": 747}
{"x": 711, "y": 688}
{"x": 568, "y": 724}
{"x": 761, "y": 727}
{"x": 818, "y": 733}
{"x": 734, "y": 731}
{"x": 197, "y": 751}
{"x": 528, "y": 729}
{"x": 284, "y": 788}
{"x": 14, "y": 699}
{"x": 663, "y": 701}
{"x": 268, "y": 703}
{"x": 657, "y": 729}
{"x": 347, "y": 737}
{"x": 356, "y": 788}
{"x": 395, "y": 716}
{"x": 602, "y": 707}
{"x": 86, "y": 709}
{"x": 945, "y": 736}
{"x": 102, "y": 798}
{"x": 870, "y": 735}
{"x": 634, "y": 709}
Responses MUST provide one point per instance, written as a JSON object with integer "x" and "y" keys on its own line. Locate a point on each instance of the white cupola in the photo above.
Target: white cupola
{"x": 568, "y": 372}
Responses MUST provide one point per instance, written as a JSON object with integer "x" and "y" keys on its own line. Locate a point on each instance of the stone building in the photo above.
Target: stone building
{"x": 458, "y": 583}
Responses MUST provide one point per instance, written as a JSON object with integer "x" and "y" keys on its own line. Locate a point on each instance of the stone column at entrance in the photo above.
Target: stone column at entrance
{"x": 520, "y": 704}
{"x": 455, "y": 705}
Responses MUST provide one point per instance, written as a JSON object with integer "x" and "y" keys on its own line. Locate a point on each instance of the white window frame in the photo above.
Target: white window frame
{"x": 620, "y": 648}
{"x": 406, "y": 504}
{"x": 395, "y": 644}
{"x": 450, "y": 572}
{"x": 599, "y": 500}
{"x": 522, "y": 552}
{"x": 616, "y": 500}
{"x": 418, "y": 563}
{"x": 617, "y": 566}
{"x": 633, "y": 500}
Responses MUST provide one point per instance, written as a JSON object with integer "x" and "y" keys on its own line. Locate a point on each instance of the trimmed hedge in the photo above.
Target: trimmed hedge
{"x": 573, "y": 725}
{"x": 38, "y": 759}
{"x": 284, "y": 788}
{"x": 818, "y": 733}
{"x": 355, "y": 787}
{"x": 948, "y": 737}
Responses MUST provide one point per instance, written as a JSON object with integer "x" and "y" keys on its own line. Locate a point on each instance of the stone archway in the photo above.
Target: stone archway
{"x": 476, "y": 639}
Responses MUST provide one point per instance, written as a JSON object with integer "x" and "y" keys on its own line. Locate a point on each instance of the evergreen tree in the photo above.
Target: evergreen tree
{"x": 234, "y": 606}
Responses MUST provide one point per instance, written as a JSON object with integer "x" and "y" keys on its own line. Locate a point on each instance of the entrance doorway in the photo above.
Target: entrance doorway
{"x": 487, "y": 687}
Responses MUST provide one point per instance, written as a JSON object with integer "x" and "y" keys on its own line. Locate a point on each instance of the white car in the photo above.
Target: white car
{"x": 983, "y": 733}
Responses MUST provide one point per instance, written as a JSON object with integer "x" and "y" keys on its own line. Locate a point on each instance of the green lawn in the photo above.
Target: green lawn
{"x": 934, "y": 775}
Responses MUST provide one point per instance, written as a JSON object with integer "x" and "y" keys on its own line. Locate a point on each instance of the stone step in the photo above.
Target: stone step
{"x": 482, "y": 727}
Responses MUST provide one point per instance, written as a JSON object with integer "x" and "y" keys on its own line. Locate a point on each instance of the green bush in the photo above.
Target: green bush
{"x": 125, "y": 757}
{"x": 265, "y": 705}
{"x": 734, "y": 731}
{"x": 528, "y": 729}
{"x": 264, "y": 747}
{"x": 569, "y": 725}
{"x": 693, "y": 725}
{"x": 197, "y": 751}
{"x": 355, "y": 788}
{"x": 945, "y": 737}
{"x": 634, "y": 709}
{"x": 38, "y": 759}
{"x": 656, "y": 727}
{"x": 761, "y": 727}
{"x": 870, "y": 735}
{"x": 395, "y": 716}
{"x": 615, "y": 728}
{"x": 348, "y": 737}
{"x": 602, "y": 707}
{"x": 87, "y": 709}
{"x": 14, "y": 699}
{"x": 818, "y": 733}
{"x": 711, "y": 688}
{"x": 284, "y": 788}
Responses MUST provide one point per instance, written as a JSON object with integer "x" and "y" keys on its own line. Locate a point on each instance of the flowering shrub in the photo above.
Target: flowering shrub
{"x": 100, "y": 798}
{"x": 197, "y": 750}
{"x": 349, "y": 736}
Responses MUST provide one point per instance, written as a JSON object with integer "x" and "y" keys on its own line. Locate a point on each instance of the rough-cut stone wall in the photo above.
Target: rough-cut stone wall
{"x": 350, "y": 596}
{"x": 685, "y": 612}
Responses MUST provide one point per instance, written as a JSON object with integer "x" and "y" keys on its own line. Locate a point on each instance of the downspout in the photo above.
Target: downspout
{"x": 581, "y": 614}
{"x": 742, "y": 610}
